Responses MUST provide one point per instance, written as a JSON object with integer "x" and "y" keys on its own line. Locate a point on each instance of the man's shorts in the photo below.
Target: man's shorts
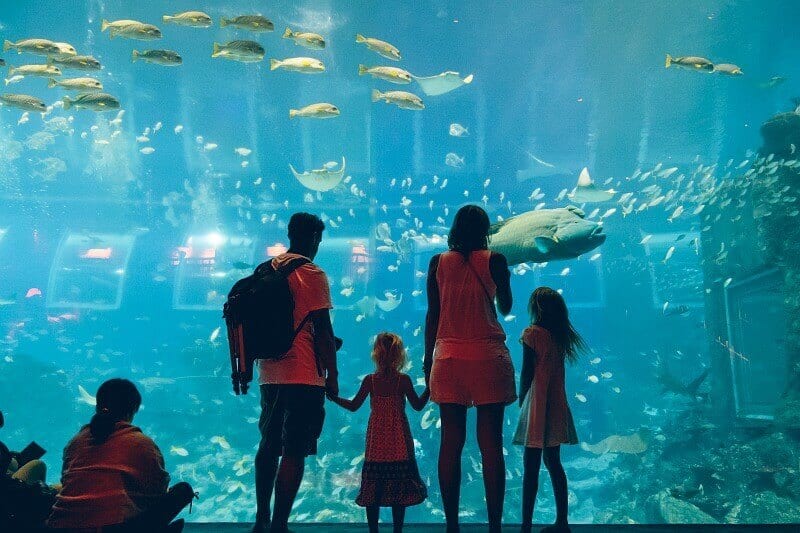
{"x": 291, "y": 418}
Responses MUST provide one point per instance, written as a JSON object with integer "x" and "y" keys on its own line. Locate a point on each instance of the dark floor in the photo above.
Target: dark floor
{"x": 475, "y": 528}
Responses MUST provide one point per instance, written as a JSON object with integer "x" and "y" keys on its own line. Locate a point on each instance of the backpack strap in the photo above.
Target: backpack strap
{"x": 285, "y": 271}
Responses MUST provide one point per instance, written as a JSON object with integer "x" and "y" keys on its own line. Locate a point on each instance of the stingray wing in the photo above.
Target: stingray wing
{"x": 442, "y": 83}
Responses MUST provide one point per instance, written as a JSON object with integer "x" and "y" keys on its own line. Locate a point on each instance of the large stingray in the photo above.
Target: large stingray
{"x": 322, "y": 179}
{"x": 442, "y": 83}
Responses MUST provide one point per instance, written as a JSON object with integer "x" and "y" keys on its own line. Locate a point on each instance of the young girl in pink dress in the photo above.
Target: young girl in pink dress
{"x": 389, "y": 477}
{"x": 545, "y": 421}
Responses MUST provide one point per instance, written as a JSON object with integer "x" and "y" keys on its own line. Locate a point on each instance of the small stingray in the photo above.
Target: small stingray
{"x": 633, "y": 444}
{"x": 587, "y": 191}
{"x": 321, "y": 180}
{"x": 389, "y": 304}
{"x": 442, "y": 83}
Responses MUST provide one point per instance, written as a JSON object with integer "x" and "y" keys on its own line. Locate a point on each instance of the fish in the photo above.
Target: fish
{"x": 147, "y": 150}
{"x": 96, "y": 101}
{"x": 46, "y": 71}
{"x": 593, "y": 379}
{"x": 166, "y": 58}
{"x": 14, "y": 79}
{"x": 390, "y": 74}
{"x": 24, "y": 102}
{"x": 773, "y": 82}
{"x": 221, "y": 441}
{"x": 442, "y": 83}
{"x": 87, "y": 63}
{"x": 306, "y": 65}
{"x": 254, "y": 23}
{"x": 545, "y": 235}
{"x": 242, "y": 51}
{"x": 43, "y": 47}
{"x": 690, "y": 62}
{"x": 679, "y": 310}
{"x": 177, "y": 450}
{"x": 675, "y": 214}
{"x": 320, "y": 180}
{"x": 454, "y": 160}
{"x": 64, "y": 50}
{"x": 194, "y": 19}
{"x": 728, "y": 68}
{"x": 321, "y": 110}
{"x": 402, "y": 99}
{"x": 382, "y": 47}
{"x": 313, "y": 41}
{"x": 131, "y": 29}
{"x": 580, "y": 397}
{"x": 668, "y": 255}
{"x": 244, "y": 152}
{"x": 457, "y": 130}
{"x": 587, "y": 192}
{"x": 85, "y": 397}
{"x": 77, "y": 84}
{"x": 606, "y": 375}
{"x": 595, "y": 361}
{"x": 629, "y": 444}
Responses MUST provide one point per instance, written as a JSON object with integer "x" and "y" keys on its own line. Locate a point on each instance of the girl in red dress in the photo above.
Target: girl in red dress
{"x": 389, "y": 477}
{"x": 545, "y": 421}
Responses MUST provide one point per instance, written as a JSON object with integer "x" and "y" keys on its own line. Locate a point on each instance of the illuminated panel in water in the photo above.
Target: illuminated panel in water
{"x": 89, "y": 270}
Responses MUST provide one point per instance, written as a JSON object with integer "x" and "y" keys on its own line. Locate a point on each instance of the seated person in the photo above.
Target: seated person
{"x": 17, "y": 466}
{"x": 113, "y": 475}
{"x": 25, "y": 500}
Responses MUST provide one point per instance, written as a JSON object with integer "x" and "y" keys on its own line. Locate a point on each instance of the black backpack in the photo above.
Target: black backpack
{"x": 259, "y": 315}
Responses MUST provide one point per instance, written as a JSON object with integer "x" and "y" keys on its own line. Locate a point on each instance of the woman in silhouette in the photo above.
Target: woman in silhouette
{"x": 466, "y": 360}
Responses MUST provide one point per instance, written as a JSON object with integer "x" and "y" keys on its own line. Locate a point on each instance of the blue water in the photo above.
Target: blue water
{"x": 557, "y": 87}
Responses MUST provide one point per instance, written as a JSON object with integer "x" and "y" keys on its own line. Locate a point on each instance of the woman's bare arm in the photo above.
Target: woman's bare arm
{"x": 498, "y": 267}
{"x": 432, "y": 317}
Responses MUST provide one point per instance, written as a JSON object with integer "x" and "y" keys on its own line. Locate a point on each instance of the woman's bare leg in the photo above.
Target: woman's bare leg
{"x": 454, "y": 434}
{"x": 490, "y": 441}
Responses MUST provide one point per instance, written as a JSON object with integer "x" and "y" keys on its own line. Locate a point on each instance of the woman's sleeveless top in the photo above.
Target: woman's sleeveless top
{"x": 468, "y": 324}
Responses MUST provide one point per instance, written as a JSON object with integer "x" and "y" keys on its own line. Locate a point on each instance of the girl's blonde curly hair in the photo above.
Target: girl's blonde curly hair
{"x": 389, "y": 353}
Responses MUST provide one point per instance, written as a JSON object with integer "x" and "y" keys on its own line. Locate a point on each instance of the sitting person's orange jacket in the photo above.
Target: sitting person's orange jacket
{"x": 108, "y": 483}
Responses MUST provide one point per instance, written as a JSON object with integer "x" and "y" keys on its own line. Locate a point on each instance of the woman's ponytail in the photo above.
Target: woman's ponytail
{"x": 101, "y": 426}
{"x": 117, "y": 400}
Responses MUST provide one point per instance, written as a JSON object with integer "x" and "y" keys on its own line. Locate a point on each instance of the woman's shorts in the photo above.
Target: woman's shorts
{"x": 473, "y": 382}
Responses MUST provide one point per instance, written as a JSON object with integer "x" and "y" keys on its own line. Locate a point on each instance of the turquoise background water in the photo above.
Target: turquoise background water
{"x": 558, "y": 86}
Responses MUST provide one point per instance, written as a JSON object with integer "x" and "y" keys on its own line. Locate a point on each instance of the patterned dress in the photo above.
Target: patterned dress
{"x": 390, "y": 476}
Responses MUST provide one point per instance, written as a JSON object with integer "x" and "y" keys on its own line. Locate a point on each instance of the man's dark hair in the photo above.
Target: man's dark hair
{"x": 303, "y": 227}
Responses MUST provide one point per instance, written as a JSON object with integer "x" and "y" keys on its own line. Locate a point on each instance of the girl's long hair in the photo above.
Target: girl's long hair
{"x": 470, "y": 230}
{"x": 549, "y": 310}
{"x": 117, "y": 400}
{"x": 388, "y": 353}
